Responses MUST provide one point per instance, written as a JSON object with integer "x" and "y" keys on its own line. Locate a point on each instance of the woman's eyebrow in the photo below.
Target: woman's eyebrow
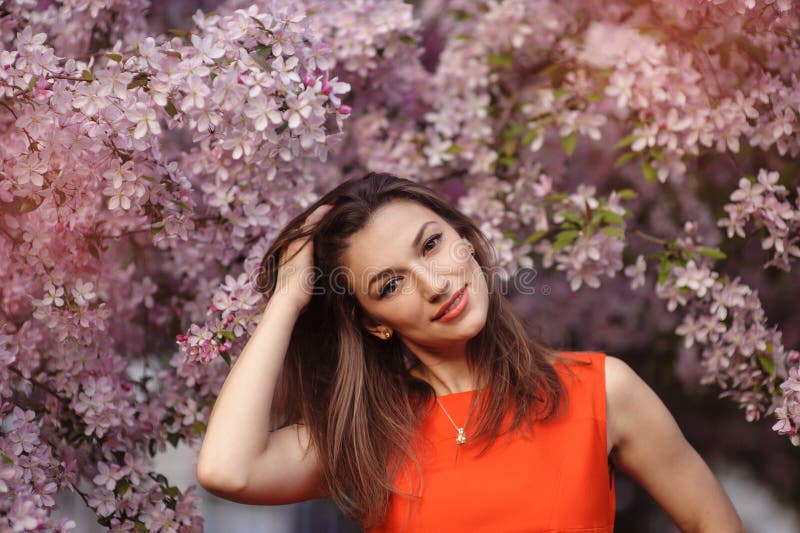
{"x": 421, "y": 231}
{"x": 387, "y": 271}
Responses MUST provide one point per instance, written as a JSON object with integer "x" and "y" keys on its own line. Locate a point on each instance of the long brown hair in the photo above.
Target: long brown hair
{"x": 355, "y": 393}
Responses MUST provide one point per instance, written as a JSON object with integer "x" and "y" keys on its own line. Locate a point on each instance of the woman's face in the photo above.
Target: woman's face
{"x": 405, "y": 265}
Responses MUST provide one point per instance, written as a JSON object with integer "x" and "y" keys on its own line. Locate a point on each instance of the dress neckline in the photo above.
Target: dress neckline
{"x": 456, "y": 394}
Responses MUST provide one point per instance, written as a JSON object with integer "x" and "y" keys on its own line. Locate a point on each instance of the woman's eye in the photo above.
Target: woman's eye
{"x": 390, "y": 286}
{"x": 431, "y": 242}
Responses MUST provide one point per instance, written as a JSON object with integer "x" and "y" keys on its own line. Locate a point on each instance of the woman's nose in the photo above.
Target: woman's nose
{"x": 437, "y": 284}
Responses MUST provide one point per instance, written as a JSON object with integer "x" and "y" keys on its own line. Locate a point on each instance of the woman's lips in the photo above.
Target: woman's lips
{"x": 444, "y": 316}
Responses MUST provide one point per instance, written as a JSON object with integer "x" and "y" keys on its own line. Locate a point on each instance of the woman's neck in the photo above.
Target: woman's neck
{"x": 445, "y": 376}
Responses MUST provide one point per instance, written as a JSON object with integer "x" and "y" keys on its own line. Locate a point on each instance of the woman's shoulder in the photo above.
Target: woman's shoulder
{"x": 584, "y": 380}
{"x": 579, "y": 362}
{"x": 597, "y": 373}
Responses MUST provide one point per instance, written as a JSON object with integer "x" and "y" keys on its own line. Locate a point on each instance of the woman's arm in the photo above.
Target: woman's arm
{"x": 647, "y": 444}
{"x": 240, "y": 459}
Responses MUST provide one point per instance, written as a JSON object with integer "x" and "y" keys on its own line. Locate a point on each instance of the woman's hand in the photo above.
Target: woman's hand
{"x": 295, "y": 277}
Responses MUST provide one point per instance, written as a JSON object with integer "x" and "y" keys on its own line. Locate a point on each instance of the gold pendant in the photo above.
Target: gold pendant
{"x": 462, "y": 437}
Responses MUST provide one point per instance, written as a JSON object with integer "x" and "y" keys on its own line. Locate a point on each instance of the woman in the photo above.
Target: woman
{"x": 407, "y": 390}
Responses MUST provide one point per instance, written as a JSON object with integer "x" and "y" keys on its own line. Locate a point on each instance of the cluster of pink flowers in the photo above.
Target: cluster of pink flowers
{"x": 740, "y": 352}
{"x": 143, "y": 176}
{"x": 765, "y": 202}
{"x": 95, "y": 186}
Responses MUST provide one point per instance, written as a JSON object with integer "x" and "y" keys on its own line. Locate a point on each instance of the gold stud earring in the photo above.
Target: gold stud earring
{"x": 387, "y": 334}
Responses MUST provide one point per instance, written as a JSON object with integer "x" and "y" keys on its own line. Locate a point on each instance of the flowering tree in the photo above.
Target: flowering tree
{"x": 143, "y": 177}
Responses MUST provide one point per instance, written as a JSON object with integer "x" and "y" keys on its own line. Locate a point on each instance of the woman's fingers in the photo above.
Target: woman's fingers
{"x": 317, "y": 215}
{"x": 299, "y": 244}
{"x": 296, "y": 270}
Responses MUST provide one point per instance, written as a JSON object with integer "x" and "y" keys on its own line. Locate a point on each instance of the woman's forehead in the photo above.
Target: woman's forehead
{"x": 390, "y": 235}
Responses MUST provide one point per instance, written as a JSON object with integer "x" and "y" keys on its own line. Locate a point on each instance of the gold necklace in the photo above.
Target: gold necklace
{"x": 461, "y": 438}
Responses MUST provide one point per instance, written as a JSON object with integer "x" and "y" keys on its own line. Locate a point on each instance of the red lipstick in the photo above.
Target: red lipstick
{"x": 453, "y": 307}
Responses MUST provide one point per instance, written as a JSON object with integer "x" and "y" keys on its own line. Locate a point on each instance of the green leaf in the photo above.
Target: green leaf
{"x": 663, "y": 270}
{"x": 122, "y": 487}
{"x": 259, "y": 23}
{"x": 572, "y": 217}
{"x": 568, "y": 143}
{"x": 140, "y": 80}
{"x": 226, "y": 357}
{"x": 754, "y": 51}
{"x": 115, "y": 57}
{"x": 626, "y": 194}
{"x": 512, "y": 235}
{"x": 261, "y": 61}
{"x": 512, "y": 132}
{"x": 454, "y": 149}
{"x": 87, "y": 75}
{"x": 564, "y": 238}
{"x": 29, "y": 204}
{"x": 198, "y": 428}
{"x": 227, "y": 334}
{"x": 500, "y": 60}
{"x": 223, "y": 61}
{"x": 624, "y": 158}
{"x": 178, "y": 33}
{"x": 461, "y": 14}
{"x": 170, "y": 108}
{"x": 767, "y": 364}
{"x": 536, "y": 236}
{"x": 529, "y": 136}
{"x": 650, "y": 173}
{"x": 712, "y": 253}
{"x": 613, "y": 231}
{"x": 558, "y": 93}
{"x": 94, "y": 251}
{"x": 509, "y": 147}
{"x": 556, "y": 196}
{"x": 6, "y": 459}
{"x": 625, "y": 141}
{"x": 172, "y": 492}
{"x": 611, "y": 217}
{"x": 174, "y": 439}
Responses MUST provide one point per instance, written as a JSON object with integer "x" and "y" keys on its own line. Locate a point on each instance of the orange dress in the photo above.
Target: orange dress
{"x": 558, "y": 481}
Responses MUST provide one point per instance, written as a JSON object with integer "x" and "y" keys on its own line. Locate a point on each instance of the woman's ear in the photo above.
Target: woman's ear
{"x": 382, "y": 332}
{"x": 379, "y": 330}
{"x": 373, "y": 327}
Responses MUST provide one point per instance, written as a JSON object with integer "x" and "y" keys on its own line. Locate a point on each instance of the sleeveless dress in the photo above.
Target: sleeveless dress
{"x": 559, "y": 480}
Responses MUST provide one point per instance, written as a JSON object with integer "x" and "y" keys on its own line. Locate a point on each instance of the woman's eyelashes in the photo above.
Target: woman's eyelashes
{"x": 433, "y": 241}
{"x": 427, "y": 246}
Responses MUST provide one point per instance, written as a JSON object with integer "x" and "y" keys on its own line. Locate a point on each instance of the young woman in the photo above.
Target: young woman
{"x": 406, "y": 389}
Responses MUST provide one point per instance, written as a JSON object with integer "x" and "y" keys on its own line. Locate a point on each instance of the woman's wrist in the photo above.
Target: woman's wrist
{"x": 285, "y": 304}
